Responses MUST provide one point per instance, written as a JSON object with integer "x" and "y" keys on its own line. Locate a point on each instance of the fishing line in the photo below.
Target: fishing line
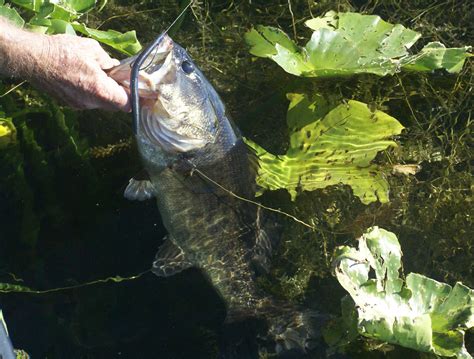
{"x": 137, "y": 67}
{"x": 15, "y": 288}
{"x": 195, "y": 169}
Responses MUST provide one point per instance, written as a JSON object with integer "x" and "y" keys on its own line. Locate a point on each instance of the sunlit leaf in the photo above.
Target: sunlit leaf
{"x": 350, "y": 43}
{"x": 12, "y": 15}
{"x": 126, "y": 43}
{"x": 7, "y": 132}
{"x": 330, "y": 146}
{"x": 79, "y": 6}
{"x": 60, "y": 27}
{"x": 436, "y": 56}
{"x": 33, "y": 5}
{"x": 421, "y": 313}
{"x": 328, "y": 21}
{"x": 271, "y": 42}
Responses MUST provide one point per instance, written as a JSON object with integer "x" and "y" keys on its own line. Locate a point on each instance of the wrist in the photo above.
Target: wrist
{"x": 22, "y": 52}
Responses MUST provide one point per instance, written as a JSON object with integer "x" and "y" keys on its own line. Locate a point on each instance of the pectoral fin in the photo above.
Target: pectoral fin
{"x": 139, "y": 188}
{"x": 170, "y": 260}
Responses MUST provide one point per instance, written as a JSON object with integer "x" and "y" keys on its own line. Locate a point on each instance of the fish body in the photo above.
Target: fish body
{"x": 201, "y": 172}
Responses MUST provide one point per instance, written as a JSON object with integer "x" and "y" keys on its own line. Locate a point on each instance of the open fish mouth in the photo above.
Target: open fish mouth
{"x": 155, "y": 69}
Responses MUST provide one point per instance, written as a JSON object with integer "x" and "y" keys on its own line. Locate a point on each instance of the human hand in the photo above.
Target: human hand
{"x": 71, "y": 69}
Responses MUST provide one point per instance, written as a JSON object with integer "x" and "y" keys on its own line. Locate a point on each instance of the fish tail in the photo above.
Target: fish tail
{"x": 297, "y": 332}
{"x": 281, "y": 330}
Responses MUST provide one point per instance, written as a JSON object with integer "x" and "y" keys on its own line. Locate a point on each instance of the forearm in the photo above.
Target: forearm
{"x": 22, "y": 53}
{"x": 70, "y": 68}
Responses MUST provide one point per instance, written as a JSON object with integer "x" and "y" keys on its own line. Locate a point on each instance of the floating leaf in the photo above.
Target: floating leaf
{"x": 126, "y": 43}
{"x": 350, "y": 43}
{"x": 7, "y": 132}
{"x": 329, "y": 147}
{"x": 60, "y": 27}
{"x": 12, "y": 15}
{"x": 60, "y": 9}
{"x": 271, "y": 42}
{"x": 436, "y": 56}
{"x": 328, "y": 21}
{"x": 78, "y": 6}
{"x": 33, "y": 5}
{"x": 421, "y": 313}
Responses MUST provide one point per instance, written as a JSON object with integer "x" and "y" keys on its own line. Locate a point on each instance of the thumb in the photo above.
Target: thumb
{"x": 114, "y": 96}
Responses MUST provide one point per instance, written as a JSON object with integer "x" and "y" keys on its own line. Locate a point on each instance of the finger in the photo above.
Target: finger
{"x": 113, "y": 96}
{"x": 107, "y": 63}
{"x": 100, "y": 55}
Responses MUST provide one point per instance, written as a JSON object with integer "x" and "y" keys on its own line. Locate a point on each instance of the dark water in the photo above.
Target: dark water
{"x": 64, "y": 222}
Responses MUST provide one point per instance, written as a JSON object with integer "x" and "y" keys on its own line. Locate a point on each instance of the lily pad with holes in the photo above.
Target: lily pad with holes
{"x": 345, "y": 44}
{"x": 418, "y": 313}
{"x": 330, "y": 145}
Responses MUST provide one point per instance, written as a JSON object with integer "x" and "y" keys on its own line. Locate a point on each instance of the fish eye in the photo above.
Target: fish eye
{"x": 187, "y": 67}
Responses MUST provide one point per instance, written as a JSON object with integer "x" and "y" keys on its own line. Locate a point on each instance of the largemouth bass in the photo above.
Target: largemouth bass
{"x": 199, "y": 169}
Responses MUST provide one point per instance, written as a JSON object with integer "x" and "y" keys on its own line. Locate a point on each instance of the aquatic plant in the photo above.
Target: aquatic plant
{"x": 330, "y": 144}
{"x": 61, "y": 18}
{"x": 416, "y": 312}
{"x": 344, "y": 44}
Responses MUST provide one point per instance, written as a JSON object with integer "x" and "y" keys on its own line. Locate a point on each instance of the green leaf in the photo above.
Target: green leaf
{"x": 12, "y": 15}
{"x": 349, "y": 43}
{"x": 264, "y": 38}
{"x": 436, "y": 56}
{"x": 421, "y": 313}
{"x": 33, "y": 5}
{"x": 329, "y": 146}
{"x": 60, "y": 27}
{"x": 266, "y": 41}
{"x": 79, "y": 6}
{"x": 70, "y": 6}
{"x": 328, "y": 21}
{"x": 126, "y": 43}
{"x": 66, "y": 10}
{"x": 7, "y": 132}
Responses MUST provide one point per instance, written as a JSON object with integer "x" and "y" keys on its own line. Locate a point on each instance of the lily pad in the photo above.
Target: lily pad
{"x": 419, "y": 313}
{"x": 350, "y": 43}
{"x": 126, "y": 43}
{"x": 330, "y": 146}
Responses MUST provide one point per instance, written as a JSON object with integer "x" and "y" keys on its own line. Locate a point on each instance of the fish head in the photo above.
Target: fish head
{"x": 179, "y": 110}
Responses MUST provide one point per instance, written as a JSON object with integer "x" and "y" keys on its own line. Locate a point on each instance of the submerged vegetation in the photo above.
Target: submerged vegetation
{"x": 62, "y": 174}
